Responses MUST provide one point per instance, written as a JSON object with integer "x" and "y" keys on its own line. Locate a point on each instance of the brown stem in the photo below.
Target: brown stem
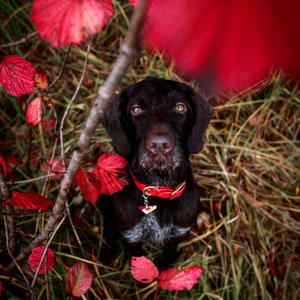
{"x": 9, "y": 221}
{"x": 23, "y": 40}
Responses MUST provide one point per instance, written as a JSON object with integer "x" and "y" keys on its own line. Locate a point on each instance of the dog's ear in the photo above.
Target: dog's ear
{"x": 112, "y": 124}
{"x": 204, "y": 113}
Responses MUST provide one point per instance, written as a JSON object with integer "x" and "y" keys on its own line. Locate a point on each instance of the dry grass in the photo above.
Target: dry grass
{"x": 249, "y": 172}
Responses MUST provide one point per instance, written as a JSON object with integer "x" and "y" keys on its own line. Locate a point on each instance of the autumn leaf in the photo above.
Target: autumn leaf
{"x": 11, "y": 163}
{"x": 16, "y": 75}
{"x": 225, "y": 44}
{"x": 143, "y": 269}
{"x": 78, "y": 279}
{"x": 178, "y": 280}
{"x": 56, "y": 167}
{"x": 3, "y": 165}
{"x": 31, "y": 201}
{"x": 34, "y": 111}
{"x": 89, "y": 185}
{"x": 48, "y": 125}
{"x": 70, "y": 21}
{"x": 133, "y": 2}
{"x": 36, "y": 256}
{"x": 110, "y": 172}
{"x": 111, "y": 162}
{"x": 41, "y": 78}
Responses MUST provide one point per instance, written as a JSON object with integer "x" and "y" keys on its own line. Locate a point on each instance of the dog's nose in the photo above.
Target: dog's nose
{"x": 159, "y": 144}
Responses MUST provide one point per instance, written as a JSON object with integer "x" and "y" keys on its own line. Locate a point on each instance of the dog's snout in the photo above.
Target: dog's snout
{"x": 159, "y": 144}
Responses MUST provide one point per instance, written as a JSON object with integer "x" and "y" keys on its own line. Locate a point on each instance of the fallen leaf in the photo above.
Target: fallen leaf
{"x": 78, "y": 279}
{"x": 203, "y": 221}
{"x": 48, "y": 125}
{"x": 110, "y": 172}
{"x": 278, "y": 271}
{"x": 34, "y": 111}
{"x": 16, "y": 75}
{"x": 89, "y": 185}
{"x": 254, "y": 121}
{"x": 56, "y": 167}
{"x": 31, "y": 201}
{"x": 36, "y": 256}
{"x": 143, "y": 269}
{"x": 178, "y": 280}
{"x": 3, "y": 165}
{"x": 70, "y": 21}
{"x": 41, "y": 78}
{"x": 12, "y": 163}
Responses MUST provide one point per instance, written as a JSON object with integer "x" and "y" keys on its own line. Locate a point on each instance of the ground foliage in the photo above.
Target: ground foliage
{"x": 249, "y": 171}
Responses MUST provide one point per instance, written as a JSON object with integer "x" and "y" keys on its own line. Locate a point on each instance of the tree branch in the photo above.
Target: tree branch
{"x": 129, "y": 50}
{"x": 9, "y": 221}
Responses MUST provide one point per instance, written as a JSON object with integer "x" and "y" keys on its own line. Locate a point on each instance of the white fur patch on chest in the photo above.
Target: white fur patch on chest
{"x": 148, "y": 229}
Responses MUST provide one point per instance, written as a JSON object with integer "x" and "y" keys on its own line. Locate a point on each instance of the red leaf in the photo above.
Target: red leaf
{"x": 226, "y": 44}
{"x": 143, "y": 269}
{"x": 56, "y": 167}
{"x": 178, "y": 280}
{"x": 34, "y": 111}
{"x": 110, "y": 171}
{"x": 111, "y": 162}
{"x": 3, "y": 165}
{"x": 11, "y": 163}
{"x": 49, "y": 124}
{"x": 78, "y": 279}
{"x": 16, "y": 75}
{"x": 41, "y": 78}
{"x": 0, "y": 288}
{"x": 278, "y": 271}
{"x": 134, "y": 2}
{"x": 36, "y": 256}
{"x": 69, "y": 21}
{"x": 89, "y": 185}
{"x": 30, "y": 201}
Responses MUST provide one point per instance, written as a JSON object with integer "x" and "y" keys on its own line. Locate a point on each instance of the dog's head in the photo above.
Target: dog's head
{"x": 156, "y": 123}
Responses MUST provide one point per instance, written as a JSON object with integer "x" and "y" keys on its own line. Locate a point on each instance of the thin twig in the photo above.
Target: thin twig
{"x": 14, "y": 260}
{"x": 46, "y": 250}
{"x": 10, "y": 221}
{"x": 3, "y": 186}
{"x": 73, "y": 228}
{"x": 61, "y": 69}
{"x": 32, "y": 179}
{"x": 67, "y": 110}
{"x": 129, "y": 51}
{"x": 50, "y": 167}
{"x": 21, "y": 41}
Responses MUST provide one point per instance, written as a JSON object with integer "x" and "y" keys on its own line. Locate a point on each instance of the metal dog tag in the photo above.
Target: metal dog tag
{"x": 147, "y": 209}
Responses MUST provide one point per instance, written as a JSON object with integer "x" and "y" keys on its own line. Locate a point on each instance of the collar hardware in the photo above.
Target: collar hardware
{"x": 163, "y": 192}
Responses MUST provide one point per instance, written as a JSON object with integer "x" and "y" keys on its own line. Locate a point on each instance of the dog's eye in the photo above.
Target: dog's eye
{"x": 136, "y": 110}
{"x": 180, "y": 108}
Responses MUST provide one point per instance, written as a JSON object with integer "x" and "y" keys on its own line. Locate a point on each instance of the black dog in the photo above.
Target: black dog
{"x": 155, "y": 124}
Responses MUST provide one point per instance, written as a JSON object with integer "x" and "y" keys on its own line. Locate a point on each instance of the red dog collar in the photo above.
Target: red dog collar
{"x": 160, "y": 191}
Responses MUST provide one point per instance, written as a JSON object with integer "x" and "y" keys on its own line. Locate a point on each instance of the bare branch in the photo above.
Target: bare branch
{"x": 23, "y": 40}
{"x": 67, "y": 110}
{"x": 13, "y": 259}
{"x": 45, "y": 252}
{"x": 9, "y": 221}
{"x": 32, "y": 179}
{"x": 129, "y": 50}
{"x": 61, "y": 69}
